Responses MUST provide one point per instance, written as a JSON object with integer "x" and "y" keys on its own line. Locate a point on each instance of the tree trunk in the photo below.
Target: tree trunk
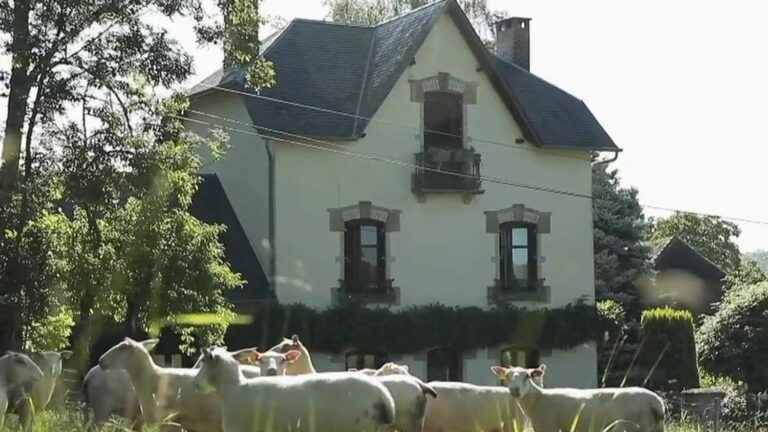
{"x": 20, "y": 85}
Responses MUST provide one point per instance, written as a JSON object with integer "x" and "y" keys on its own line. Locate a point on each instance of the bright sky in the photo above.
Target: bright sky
{"x": 680, "y": 86}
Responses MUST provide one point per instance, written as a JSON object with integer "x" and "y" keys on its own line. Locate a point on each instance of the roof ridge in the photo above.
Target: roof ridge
{"x": 689, "y": 246}
{"x": 331, "y": 23}
{"x": 413, "y": 11}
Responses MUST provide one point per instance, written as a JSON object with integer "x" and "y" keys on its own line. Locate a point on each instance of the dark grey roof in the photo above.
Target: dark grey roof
{"x": 211, "y": 205}
{"x": 352, "y": 69}
{"x": 677, "y": 254}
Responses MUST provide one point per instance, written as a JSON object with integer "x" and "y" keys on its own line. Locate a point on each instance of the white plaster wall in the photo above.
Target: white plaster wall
{"x": 565, "y": 368}
{"x": 442, "y": 253}
{"x": 243, "y": 171}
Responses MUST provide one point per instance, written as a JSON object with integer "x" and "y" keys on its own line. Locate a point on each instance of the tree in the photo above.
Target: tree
{"x": 760, "y": 257}
{"x": 102, "y": 58}
{"x": 711, "y": 236}
{"x": 372, "y": 12}
{"x": 747, "y": 273}
{"x": 732, "y": 342}
{"x": 621, "y": 256}
{"x": 64, "y": 49}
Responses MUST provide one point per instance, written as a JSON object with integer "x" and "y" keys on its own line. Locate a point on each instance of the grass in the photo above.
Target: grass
{"x": 72, "y": 421}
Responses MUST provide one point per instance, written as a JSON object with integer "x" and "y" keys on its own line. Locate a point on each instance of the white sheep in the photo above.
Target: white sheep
{"x": 463, "y": 407}
{"x": 112, "y": 393}
{"x": 303, "y": 365}
{"x": 339, "y": 402}
{"x": 628, "y": 409}
{"x": 165, "y": 393}
{"x": 408, "y": 392}
{"x": 16, "y": 371}
{"x": 35, "y": 397}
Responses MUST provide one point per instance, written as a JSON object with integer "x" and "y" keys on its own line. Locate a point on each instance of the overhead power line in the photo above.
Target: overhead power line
{"x": 322, "y": 145}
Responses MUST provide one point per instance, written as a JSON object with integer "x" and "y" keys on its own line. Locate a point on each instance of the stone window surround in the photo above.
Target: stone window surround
{"x": 366, "y": 210}
{"x": 443, "y": 82}
{"x": 518, "y": 213}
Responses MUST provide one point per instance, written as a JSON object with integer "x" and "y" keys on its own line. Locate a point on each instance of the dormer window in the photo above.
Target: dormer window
{"x": 444, "y": 100}
{"x": 443, "y": 120}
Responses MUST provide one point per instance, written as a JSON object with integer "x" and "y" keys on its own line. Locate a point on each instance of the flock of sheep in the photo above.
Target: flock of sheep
{"x": 280, "y": 390}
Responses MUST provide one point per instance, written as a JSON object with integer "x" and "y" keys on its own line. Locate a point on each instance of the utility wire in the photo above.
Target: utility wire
{"x": 324, "y": 146}
{"x": 375, "y": 157}
{"x": 519, "y": 147}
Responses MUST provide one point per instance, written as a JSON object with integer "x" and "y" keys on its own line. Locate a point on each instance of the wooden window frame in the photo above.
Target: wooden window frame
{"x": 353, "y": 255}
{"x": 457, "y": 374}
{"x": 378, "y": 360}
{"x": 507, "y": 276}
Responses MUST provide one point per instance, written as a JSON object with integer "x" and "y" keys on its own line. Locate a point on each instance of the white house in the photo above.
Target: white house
{"x": 405, "y": 164}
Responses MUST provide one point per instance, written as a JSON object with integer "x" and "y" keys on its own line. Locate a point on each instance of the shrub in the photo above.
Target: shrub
{"x": 419, "y": 327}
{"x": 668, "y": 335}
{"x": 734, "y": 341}
{"x": 612, "y": 315}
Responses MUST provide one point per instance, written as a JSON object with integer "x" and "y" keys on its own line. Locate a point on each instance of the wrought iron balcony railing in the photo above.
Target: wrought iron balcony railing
{"x": 459, "y": 171}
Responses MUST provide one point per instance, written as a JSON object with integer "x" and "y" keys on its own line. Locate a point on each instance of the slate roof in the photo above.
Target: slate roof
{"x": 351, "y": 69}
{"x": 679, "y": 255}
{"x": 210, "y": 204}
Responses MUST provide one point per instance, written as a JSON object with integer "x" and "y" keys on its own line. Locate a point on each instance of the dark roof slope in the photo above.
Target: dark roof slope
{"x": 211, "y": 205}
{"x": 679, "y": 255}
{"x": 352, "y": 69}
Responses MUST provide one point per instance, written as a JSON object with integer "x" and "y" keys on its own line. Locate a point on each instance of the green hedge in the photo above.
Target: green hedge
{"x": 678, "y": 368}
{"x": 419, "y": 327}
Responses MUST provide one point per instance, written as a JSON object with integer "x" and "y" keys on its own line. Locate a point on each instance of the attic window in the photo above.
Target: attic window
{"x": 443, "y": 120}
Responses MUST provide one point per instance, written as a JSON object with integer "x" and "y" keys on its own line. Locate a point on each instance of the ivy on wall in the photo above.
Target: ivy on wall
{"x": 418, "y": 328}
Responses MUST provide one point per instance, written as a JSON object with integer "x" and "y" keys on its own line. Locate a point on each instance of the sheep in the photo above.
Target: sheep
{"x": 110, "y": 392}
{"x": 303, "y": 365}
{"x": 165, "y": 393}
{"x": 339, "y": 402}
{"x": 558, "y": 409}
{"x": 16, "y": 371}
{"x": 35, "y": 397}
{"x": 463, "y": 407}
{"x": 408, "y": 392}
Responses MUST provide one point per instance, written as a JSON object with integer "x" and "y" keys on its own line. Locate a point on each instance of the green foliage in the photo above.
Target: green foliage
{"x": 747, "y": 273}
{"x": 711, "y": 236}
{"x": 621, "y": 256}
{"x": 669, "y": 332}
{"x": 51, "y": 333}
{"x": 372, "y": 12}
{"x": 612, "y": 315}
{"x": 732, "y": 342}
{"x": 382, "y": 330}
{"x": 760, "y": 257}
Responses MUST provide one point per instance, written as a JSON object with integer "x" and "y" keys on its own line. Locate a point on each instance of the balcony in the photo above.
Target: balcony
{"x": 366, "y": 292}
{"x": 504, "y": 292}
{"x": 464, "y": 162}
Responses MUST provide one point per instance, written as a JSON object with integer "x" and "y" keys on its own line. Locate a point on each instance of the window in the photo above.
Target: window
{"x": 520, "y": 357}
{"x": 364, "y": 254}
{"x": 443, "y": 120}
{"x": 517, "y": 255}
{"x": 443, "y": 364}
{"x": 359, "y": 360}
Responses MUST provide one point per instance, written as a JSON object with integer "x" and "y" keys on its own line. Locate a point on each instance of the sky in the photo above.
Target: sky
{"x": 680, "y": 87}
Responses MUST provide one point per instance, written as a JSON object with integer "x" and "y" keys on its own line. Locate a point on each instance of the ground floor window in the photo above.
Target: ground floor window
{"x": 443, "y": 364}
{"x": 362, "y": 360}
{"x": 525, "y": 357}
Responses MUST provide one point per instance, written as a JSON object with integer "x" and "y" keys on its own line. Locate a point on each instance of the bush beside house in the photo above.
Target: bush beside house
{"x": 668, "y": 336}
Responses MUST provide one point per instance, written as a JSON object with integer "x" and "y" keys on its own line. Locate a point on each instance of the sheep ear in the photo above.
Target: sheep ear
{"x": 292, "y": 355}
{"x": 499, "y": 371}
{"x": 295, "y": 338}
{"x": 150, "y": 344}
{"x": 66, "y": 355}
{"x": 538, "y": 372}
{"x": 247, "y": 355}
{"x": 352, "y": 370}
{"x": 405, "y": 368}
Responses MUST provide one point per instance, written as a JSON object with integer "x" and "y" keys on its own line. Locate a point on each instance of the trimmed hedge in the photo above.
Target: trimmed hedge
{"x": 678, "y": 368}
{"x": 420, "y": 327}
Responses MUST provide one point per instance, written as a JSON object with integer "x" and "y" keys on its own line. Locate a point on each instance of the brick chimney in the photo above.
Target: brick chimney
{"x": 513, "y": 41}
